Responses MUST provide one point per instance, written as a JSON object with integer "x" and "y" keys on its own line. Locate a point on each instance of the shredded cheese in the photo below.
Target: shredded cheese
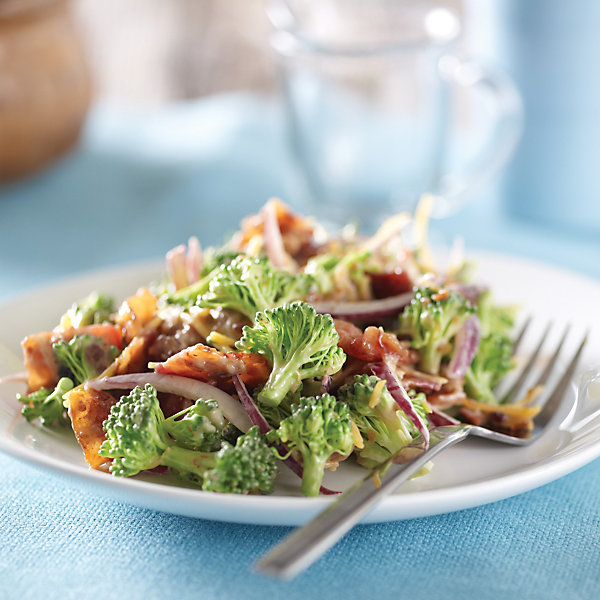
{"x": 358, "y": 438}
{"x": 376, "y": 479}
{"x": 422, "y": 214}
{"x": 516, "y": 410}
{"x": 531, "y": 396}
{"x": 376, "y": 394}
{"x": 220, "y": 341}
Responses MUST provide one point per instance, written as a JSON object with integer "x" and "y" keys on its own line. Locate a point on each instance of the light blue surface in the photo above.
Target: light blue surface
{"x": 139, "y": 184}
{"x": 551, "y": 49}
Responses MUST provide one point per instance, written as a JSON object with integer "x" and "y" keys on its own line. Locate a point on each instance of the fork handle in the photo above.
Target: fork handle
{"x": 308, "y": 543}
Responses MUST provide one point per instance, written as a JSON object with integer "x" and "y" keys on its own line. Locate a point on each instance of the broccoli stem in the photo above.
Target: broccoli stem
{"x": 313, "y": 469}
{"x": 431, "y": 359}
{"x": 286, "y": 378}
{"x": 479, "y": 388}
{"x": 191, "y": 292}
{"x": 188, "y": 461}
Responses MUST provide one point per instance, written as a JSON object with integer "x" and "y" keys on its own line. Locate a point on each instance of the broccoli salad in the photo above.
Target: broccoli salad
{"x": 286, "y": 347}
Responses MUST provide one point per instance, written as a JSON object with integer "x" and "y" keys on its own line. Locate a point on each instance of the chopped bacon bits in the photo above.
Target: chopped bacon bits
{"x": 373, "y": 344}
{"x": 38, "y": 353}
{"x": 211, "y": 366}
{"x": 391, "y": 283}
{"x": 137, "y": 311}
{"x": 297, "y": 233}
{"x": 88, "y": 409}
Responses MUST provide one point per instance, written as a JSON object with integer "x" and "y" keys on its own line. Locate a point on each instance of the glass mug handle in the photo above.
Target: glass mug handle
{"x": 453, "y": 191}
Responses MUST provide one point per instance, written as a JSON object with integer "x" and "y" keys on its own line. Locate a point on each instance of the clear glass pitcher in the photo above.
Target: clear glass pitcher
{"x": 366, "y": 89}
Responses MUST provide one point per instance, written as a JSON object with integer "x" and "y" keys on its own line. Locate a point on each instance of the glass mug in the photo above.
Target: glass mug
{"x": 367, "y": 97}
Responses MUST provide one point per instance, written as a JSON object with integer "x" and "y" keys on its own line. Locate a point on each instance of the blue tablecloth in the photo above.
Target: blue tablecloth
{"x": 141, "y": 183}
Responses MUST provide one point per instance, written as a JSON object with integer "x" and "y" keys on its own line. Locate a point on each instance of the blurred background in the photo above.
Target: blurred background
{"x": 178, "y": 106}
{"x": 147, "y": 52}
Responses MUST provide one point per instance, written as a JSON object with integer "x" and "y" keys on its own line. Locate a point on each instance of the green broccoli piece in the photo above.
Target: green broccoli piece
{"x": 247, "y": 467}
{"x": 137, "y": 439}
{"x": 95, "y": 308}
{"x": 275, "y": 414}
{"x": 84, "y": 357}
{"x": 298, "y": 342}
{"x": 318, "y": 427}
{"x": 431, "y": 320}
{"x": 383, "y": 425}
{"x": 214, "y": 261}
{"x": 188, "y": 296}
{"x": 47, "y": 404}
{"x": 325, "y": 268}
{"x": 493, "y": 359}
{"x": 491, "y": 363}
{"x": 213, "y": 258}
{"x": 198, "y": 427}
{"x": 250, "y": 285}
{"x": 493, "y": 318}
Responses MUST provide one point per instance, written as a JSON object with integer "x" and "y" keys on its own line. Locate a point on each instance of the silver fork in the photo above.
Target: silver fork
{"x": 309, "y": 542}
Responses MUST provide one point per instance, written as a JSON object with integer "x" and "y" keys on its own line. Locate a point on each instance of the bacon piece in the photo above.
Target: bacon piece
{"x": 373, "y": 344}
{"x": 412, "y": 379}
{"x": 136, "y": 312}
{"x": 451, "y": 394}
{"x": 38, "y": 354}
{"x": 390, "y": 283}
{"x": 297, "y": 233}
{"x": 211, "y": 366}
{"x": 88, "y": 409}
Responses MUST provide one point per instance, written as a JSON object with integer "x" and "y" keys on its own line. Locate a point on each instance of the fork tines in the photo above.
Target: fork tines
{"x": 550, "y": 367}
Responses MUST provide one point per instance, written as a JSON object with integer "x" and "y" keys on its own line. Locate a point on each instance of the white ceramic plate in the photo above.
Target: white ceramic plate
{"x": 474, "y": 473}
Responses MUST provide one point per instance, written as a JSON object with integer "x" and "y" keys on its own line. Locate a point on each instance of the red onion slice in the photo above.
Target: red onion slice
{"x": 438, "y": 418}
{"x": 399, "y": 394}
{"x": 176, "y": 266}
{"x": 193, "y": 260}
{"x": 274, "y": 247}
{"x": 181, "y": 386}
{"x": 249, "y": 406}
{"x": 257, "y": 419}
{"x": 326, "y": 384}
{"x": 469, "y": 291}
{"x": 465, "y": 348}
{"x": 368, "y": 309}
{"x": 15, "y": 378}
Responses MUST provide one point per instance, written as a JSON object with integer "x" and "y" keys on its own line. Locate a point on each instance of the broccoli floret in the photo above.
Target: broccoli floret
{"x": 491, "y": 363}
{"x": 328, "y": 271}
{"x": 247, "y": 467}
{"x": 95, "y": 308}
{"x": 250, "y": 285}
{"x": 275, "y": 414}
{"x": 318, "y": 427}
{"x": 230, "y": 433}
{"x": 47, "y": 404}
{"x": 214, "y": 261}
{"x": 137, "y": 439}
{"x": 385, "y": 428}
{"x": 298, "y": 342}
{"x": 493, "y": 318}
{"x": 431, "y": 320}
{"x": 320, "y": 268}
{"x": 214, "y": 258}
{"x": 198, "y": 427}
{"x": 84, "y": 357}
{"x": 188, "y": 296}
